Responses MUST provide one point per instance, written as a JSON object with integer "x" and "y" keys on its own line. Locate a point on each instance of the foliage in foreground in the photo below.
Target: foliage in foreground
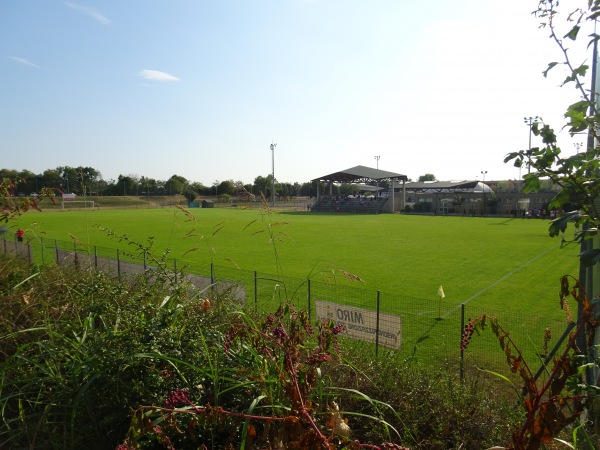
{"x": 560, "y": 398}
{"x": 90, "y": 362}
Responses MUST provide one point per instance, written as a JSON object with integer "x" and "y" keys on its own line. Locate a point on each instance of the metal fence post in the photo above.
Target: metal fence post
{"x": 462, "y": 351}
{"x": 212, "y": 279}
{"x": 175, "y": 269}
{"x": 255, "y": 292}
{"x": 118, "y": 265}
{"x": 95, "y": 257}
{"x": 377, "y": 325}
{"x": 308, "y": 298}
{"x": 56, "y": 250}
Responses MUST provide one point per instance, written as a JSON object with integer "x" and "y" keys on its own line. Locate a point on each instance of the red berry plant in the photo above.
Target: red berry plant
{"x": 12, "y": 205}
{"x": 271, "y": 394}
{"x": 561, "y": 398}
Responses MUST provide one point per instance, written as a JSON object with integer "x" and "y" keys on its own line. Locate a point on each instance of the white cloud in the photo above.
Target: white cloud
{"x": 90, "y": 12}
{"x": 25, "y": 62}
{"x": 157, "y": 75}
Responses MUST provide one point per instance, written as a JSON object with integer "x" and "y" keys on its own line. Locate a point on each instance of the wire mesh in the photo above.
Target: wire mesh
{"x": 431, "y": 329}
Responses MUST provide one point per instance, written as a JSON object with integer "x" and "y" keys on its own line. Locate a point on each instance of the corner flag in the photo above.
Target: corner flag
{"x": 441, "y": 292}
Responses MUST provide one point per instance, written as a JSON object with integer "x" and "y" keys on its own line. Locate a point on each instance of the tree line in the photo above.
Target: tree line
{"x": 87, "y": 181}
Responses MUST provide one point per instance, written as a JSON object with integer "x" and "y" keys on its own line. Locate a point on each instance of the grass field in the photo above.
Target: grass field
{"x": 496, "y": 262}
{"x": 510, "y": 268}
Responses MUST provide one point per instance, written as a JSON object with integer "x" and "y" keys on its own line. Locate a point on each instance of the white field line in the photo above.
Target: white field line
{"x": 508, "y": 275}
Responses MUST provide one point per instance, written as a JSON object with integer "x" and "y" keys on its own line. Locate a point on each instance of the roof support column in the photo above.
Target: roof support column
{"x": 404, "y": 195}
{"x": 393, "y": 197}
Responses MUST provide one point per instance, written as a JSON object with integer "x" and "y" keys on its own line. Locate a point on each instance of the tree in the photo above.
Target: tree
{"x": 427, "y": 177}
{"x": 226, "y": 187}
{"x": 262, "y": 185}
{"x": 176, "y": 185}
{"x": 51, "y": 179}
{"x": 68, "y": 177}
{"x": 28, "y": 182}
{"x": 125, "y": 185}
{"x": 576, "y": 175}
{"x": 200, "y": 189}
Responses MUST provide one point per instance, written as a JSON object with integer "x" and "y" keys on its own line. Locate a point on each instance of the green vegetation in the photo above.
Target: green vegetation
{"x": 88, "y": 362}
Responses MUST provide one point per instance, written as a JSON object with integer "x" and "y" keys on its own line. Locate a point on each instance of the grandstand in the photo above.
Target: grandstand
{"x": 349, "y": 204}
{"x": 371, "y": 199}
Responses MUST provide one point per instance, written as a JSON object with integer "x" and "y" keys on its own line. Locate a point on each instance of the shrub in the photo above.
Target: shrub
{"x": 80, "y": 351}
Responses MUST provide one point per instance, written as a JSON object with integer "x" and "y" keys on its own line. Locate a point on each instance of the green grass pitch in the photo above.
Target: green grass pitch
{"x": 497, "y": 262}
{"x": 506, "y": 267}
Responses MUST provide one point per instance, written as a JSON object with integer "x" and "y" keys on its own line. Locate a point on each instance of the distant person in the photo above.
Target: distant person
{"x": 20, "y": 233}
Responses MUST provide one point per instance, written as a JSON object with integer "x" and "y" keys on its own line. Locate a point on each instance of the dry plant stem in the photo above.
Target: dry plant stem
{"x": 201, "y": 409}
{"x": 547, "y": 384}
{"x": 302, "y": 409}
{"x": 292, "y": 371}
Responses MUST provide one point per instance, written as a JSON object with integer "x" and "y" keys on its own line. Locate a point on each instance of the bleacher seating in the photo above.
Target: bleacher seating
{"x": 370, "y": 205}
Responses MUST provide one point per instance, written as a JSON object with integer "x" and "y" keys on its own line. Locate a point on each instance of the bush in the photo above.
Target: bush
{"x": 79, "y": 351}
{"x": 73, "y": 349}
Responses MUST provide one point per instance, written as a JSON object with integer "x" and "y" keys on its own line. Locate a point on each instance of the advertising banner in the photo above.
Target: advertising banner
{"x": 361, "y": 324}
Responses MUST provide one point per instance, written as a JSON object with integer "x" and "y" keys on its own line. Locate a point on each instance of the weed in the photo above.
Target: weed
{"x": 560, "y": 399}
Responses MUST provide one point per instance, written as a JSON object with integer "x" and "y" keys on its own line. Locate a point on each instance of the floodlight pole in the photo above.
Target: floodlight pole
{"x": 529, "y": 121}
{"x": 483, "y": 172}
{"x": 273, "y": 174}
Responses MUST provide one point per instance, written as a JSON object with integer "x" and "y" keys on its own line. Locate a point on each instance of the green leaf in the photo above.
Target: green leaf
{"x": 581, "y": 70}
{"x": 550, "y": 66}
{"x": 590, "y": 257}
{"x": 511, "y": 156}
{"x": 559, "y": 225}
{"x": 572, "y": 34}
{"x": 560, "y": 199}
{"x": 532, "y": 184}
{"x": 581, "y": 107}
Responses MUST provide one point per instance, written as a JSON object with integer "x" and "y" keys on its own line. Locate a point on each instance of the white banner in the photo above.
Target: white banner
{"x": 361, "y": 324}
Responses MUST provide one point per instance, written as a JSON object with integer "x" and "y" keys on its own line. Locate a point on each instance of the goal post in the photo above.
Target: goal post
{"x": 75, "y": 204}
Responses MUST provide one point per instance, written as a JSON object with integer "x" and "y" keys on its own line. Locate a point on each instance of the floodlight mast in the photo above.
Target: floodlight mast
{"x": 529, "y": 121}
{"x": 483, "y": 172}
{"x": 273, "y": 174}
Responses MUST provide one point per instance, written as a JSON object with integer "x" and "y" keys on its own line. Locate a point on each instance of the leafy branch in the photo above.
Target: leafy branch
{"x": 559, "y": 400}
{"x": 576, "y": 175}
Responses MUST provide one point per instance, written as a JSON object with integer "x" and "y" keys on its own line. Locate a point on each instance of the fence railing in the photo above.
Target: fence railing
{"x": 429, "y": 331}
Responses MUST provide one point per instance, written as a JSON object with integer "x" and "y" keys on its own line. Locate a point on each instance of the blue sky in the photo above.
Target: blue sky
{"x": 201, "y": 89}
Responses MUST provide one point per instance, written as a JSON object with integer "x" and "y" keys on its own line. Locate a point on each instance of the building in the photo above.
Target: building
{"x": 475, "y": 197}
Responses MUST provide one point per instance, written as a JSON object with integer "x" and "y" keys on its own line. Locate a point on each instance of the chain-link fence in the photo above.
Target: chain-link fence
{"x": 17, "y": 249}
{"x": 419, "y": 330}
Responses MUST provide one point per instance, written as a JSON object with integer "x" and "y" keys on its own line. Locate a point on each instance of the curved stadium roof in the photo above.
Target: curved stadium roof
{"x": 448, "y": 186}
